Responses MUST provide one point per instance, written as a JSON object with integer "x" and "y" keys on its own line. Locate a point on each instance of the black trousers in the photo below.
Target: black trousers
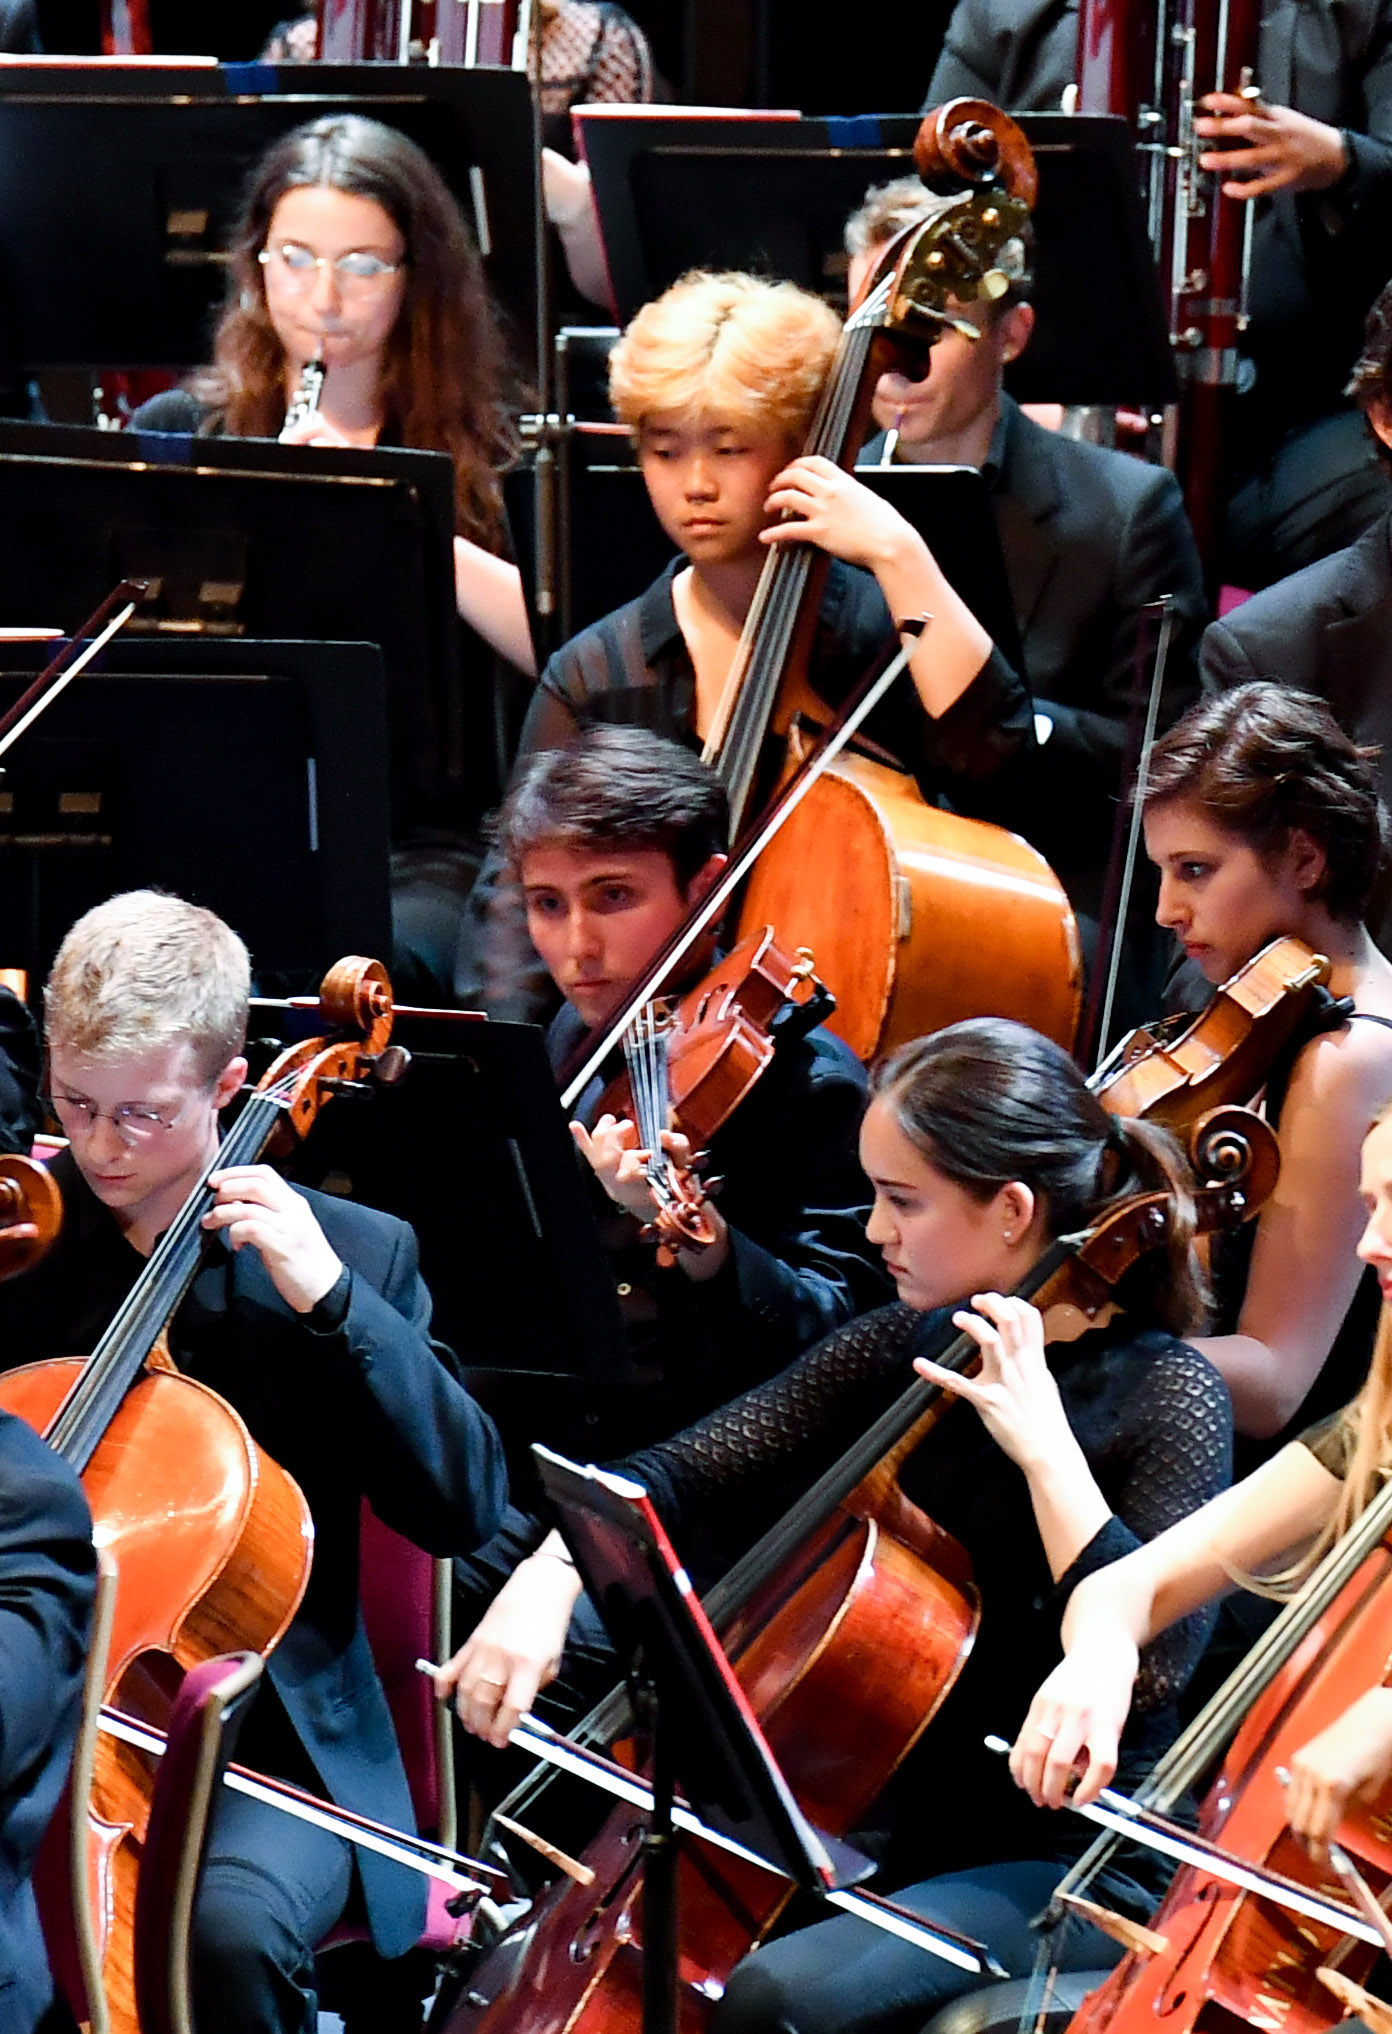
{"x": 844, "y": 1976}
{"x": 272, "y": 1889}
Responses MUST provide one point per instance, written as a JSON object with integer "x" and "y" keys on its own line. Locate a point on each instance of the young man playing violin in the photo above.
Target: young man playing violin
{"x": 612, "y": 841}
{"x": 309, "y": 1316}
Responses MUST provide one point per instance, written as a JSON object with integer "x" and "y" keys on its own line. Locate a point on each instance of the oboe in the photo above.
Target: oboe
{"x": 305, "y": 401}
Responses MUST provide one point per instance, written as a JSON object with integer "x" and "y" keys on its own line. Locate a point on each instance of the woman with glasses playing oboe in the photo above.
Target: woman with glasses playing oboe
{"x": 357, "y": 314}
{"x": 351, "y": 252}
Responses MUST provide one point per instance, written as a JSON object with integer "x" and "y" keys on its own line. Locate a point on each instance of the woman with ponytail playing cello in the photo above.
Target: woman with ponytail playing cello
{"x": 983, "y": 1147}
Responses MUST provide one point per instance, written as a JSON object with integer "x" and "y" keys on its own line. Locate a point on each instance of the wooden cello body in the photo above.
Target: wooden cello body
{"x": 212, "y": 1543}
{"x": 1233, "y": 1958}
{"x": 847, "y": 1626}
{"x": 916, "y": 916}
{"x": 846, "y": 1655}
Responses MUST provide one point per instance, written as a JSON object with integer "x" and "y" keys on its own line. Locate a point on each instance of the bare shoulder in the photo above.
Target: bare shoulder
{"x": 1350, "y": 1070}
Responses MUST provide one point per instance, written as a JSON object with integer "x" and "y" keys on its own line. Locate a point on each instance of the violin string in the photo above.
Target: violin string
{"x": 645, "y": 1054}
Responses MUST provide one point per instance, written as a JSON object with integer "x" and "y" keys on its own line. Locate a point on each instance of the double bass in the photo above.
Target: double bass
{"x": 917, "y": 916}
{"x": 210, "y": 1538}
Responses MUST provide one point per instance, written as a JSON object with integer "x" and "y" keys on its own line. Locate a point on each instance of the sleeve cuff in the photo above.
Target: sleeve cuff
{"x": 1108, "y": 1544}
{"x": 327, "y": 1315}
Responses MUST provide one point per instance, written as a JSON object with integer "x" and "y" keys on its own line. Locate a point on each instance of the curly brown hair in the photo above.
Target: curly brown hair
{"x": 445, "y": 376}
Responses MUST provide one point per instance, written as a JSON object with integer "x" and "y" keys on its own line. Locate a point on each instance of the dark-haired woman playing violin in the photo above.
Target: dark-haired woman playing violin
{"x": 1264, "y": 820}
{"x": 983, "y": 1145}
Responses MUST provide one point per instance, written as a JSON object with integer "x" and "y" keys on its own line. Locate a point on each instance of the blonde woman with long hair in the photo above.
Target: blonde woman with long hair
{"x": 1279, "y": 1522}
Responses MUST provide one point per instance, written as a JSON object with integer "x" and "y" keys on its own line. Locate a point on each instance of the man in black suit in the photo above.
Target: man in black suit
{"x": 1088, "y": 536}
{"x": 1328, "y": 629}
{"x": 310, "y": 1317}
{"x": 47, "y": 1566}
{"x": 1314, "y": 158}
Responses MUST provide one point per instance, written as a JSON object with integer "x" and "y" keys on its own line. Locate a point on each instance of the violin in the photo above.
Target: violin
{"x": 691, "y": 1064}
{"x": 847, "y": 1625}
{"x": 211, "y": 1539}
{"x": 1171, "y": 1071}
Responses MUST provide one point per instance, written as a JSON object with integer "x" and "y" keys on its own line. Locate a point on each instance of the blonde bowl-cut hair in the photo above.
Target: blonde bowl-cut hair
{"x": 738, "y": 349}
{"x": 143, "y": 970}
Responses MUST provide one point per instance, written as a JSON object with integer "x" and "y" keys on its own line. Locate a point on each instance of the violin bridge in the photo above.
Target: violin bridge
{"x": 1357, "y": 2003}
{"x": 1136, "y": 1939}
{"x": 571, "y": 1866}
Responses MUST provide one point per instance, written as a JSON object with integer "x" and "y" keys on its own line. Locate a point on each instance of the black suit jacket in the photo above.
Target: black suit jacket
{"x": 373, "y": 1409}
{"x": 47, "y": 1568}
{"x": 1326, "y": 630}
{"x": 1088, "y": 537}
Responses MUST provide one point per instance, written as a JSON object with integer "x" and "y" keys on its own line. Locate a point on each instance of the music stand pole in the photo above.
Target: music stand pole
{"x": 661, "y": 1849}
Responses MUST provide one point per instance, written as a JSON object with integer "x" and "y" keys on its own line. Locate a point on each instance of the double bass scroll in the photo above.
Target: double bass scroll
{"x": 918, "y": 917}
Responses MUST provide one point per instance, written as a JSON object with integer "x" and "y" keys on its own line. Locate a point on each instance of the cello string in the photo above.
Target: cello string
{"x": 110, "y": 1370}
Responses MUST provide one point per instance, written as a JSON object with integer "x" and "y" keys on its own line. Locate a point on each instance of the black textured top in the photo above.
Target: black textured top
{"x": 1154, "y": 1421}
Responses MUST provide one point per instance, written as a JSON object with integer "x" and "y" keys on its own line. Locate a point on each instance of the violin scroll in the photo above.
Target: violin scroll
{"x": 31, "y": 1213}
{"x": 1236, "y": 1157}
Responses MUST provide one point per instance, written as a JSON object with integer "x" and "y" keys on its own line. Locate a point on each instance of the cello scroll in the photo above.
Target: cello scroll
{"x": 31, "y": 1213}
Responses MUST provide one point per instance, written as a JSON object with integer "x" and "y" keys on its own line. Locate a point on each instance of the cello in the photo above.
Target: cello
{"x": 211, "y": 1539}
{"x": 847, "y": 1625}
{"x": 917, "y": 916}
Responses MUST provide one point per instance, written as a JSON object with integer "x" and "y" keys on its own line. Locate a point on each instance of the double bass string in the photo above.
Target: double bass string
{"x": 737, "y": 742}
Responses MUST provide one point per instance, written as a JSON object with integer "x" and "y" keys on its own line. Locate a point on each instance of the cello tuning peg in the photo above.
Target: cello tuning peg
{"x": 391, "y": 1066}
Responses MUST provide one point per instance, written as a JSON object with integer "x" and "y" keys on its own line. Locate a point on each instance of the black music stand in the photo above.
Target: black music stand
{"x": 472, "y": 1149}
{"x": 697, "y": 1721}
{"x": 113, "y": 256}
{"x": 772, "y": 192}
{"x": 248, "y": 776}
{"x": 247, "y": 537}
